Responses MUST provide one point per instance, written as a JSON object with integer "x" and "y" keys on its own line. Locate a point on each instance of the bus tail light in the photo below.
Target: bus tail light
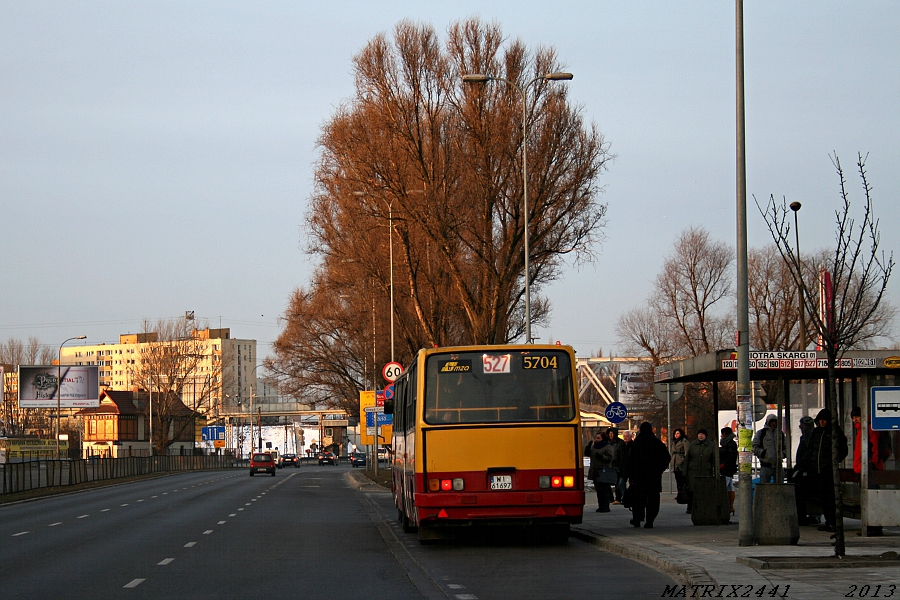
{"x": 445, "y": 485}
{"x": 556, "y": 481}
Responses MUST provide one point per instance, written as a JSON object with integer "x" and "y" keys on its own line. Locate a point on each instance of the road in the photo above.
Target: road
{"x": 305, "y": 533}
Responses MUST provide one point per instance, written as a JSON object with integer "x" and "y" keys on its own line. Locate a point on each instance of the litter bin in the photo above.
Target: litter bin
{"x": 710, "y": 505}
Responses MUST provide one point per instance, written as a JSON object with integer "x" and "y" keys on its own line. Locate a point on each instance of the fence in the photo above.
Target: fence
{"x": 36, "y": 474}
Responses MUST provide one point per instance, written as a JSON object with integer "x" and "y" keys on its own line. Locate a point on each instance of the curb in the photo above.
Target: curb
{"x": 362, "y": 483}
{"x": 685, "y": 573}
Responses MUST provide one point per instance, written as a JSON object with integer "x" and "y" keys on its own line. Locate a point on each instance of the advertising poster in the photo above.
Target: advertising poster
{"x": 38, "y": 386}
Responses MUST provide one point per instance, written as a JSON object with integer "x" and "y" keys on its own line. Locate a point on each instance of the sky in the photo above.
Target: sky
{"x": 157, "y": 157}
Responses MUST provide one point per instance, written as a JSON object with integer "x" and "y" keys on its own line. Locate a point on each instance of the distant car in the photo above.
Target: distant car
{"x": 262, "y": 462}
{"x": 327, "y": 457}
{"x": 357, "y": 459}
{"x": 384, "y": 454}
{"x": 289, "y": 460}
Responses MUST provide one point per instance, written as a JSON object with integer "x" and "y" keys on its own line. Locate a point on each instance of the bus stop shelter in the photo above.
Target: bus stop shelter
{"x": 868, "y": 379}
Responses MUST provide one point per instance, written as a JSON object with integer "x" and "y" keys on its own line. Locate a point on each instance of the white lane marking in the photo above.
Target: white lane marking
{"x": 220, "y": 523}
{"x": 207, "y": 532}
{"x": 253, "y": 500}
{"x": 55, "y": 524}
{"x": 466, "y": 597}
{"x": 455, "y": 586}
{"x": 134, "y": 583}
{"x": 165, "y": 493}
{"x": 84, "y": 516}
{"x": 106, "y": 510}
{"x": 141, "y": 500}
{"x": 232, "y": 515}
{"x": 190, "y": 544}
{"x": 154, "y": 496}
{"x": 20, "y": 533}
{"x": 165, "y": 561}
{"x": 240, "y": 509}
{"x": 247, "y": 504}
{"x": 126, "y": 504}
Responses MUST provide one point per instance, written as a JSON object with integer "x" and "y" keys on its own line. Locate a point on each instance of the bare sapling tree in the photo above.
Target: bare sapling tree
{"x": 854, "y": 281}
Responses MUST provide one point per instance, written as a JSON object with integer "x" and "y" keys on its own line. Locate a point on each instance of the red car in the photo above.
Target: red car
{"x": 262, "y": 462}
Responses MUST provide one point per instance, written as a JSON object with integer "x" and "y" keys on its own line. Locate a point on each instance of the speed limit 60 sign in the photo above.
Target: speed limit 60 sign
{"x": 392, "y": 371}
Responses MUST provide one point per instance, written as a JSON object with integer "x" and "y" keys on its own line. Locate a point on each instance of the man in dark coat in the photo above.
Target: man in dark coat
{"x": 618, "y": 445}
{"x": 820, "y": 457}
{"x": 803, "y": 476}
{"x": 648, "y": 458}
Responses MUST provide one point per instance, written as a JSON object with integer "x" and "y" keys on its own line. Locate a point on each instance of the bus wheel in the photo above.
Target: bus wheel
{"x": 405, "y": 524}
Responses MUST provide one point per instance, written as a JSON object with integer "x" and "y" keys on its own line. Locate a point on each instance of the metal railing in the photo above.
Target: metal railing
{"x": 36, "y": 474}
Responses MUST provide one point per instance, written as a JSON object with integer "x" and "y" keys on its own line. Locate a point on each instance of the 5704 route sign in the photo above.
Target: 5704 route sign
{"x": 392, "y": 371}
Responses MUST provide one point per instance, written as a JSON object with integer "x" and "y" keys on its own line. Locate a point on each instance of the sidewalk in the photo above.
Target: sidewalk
{"x": 708, "y": 556}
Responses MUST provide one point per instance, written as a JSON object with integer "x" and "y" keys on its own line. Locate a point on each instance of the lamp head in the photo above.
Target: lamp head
{"x": 795, "y": 206}
{"x": 476, "y": 78}
{"x": 558, "y": 76}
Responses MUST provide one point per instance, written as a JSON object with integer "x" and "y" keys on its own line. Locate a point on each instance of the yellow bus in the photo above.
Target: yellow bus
{"x": 488, "y": 435}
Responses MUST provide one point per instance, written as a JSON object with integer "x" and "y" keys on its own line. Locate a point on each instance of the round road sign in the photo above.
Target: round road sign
{"x": 392, "y": 371}
{"x": 616, "y": 412}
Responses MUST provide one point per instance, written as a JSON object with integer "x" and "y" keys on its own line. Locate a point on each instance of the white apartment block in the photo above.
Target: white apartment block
{"x": 227, "y": 366}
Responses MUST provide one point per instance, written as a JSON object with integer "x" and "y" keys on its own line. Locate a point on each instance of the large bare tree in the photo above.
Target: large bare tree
{"x": 855, "y": 312}
{"x": 423, "y": 161}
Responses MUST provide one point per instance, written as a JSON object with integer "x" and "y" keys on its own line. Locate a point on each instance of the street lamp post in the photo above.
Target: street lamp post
{"x": 795, "y": 206}
{"x": 59, "y": 385}
{"x": 482, "y": 78}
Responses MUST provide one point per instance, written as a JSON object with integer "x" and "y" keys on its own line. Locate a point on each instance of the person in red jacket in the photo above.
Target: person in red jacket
{"x": 876, "y": 459}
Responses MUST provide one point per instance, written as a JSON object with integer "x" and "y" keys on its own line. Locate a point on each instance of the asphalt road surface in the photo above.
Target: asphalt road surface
{"x": 305, "y": 533}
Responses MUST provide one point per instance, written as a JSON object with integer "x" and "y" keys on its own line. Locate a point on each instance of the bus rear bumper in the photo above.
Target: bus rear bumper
{"x": 502, "y": 507}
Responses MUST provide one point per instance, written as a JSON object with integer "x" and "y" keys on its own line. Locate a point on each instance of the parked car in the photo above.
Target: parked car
{"x": 262, "y": 462}
{"x": 327, "y": 457}
{"x": 289, "y": 460}
{"x": 358, "y": 459}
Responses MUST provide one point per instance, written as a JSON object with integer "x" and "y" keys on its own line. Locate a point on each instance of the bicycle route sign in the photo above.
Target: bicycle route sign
{"x": 616, "y": 412}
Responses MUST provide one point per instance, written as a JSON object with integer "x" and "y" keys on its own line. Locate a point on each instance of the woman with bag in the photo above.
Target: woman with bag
{"x": 602, "y": 455}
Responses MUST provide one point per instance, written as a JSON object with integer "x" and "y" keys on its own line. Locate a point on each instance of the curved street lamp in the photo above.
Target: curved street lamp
{"x": 59, "y": 384}
{"x": 482, "y": 78}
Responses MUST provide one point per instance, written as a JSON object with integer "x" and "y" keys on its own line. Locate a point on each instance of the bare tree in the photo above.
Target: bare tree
{"x": 859, "y": 272}
{"x": 686, "y": 315}
{"x": 13, "y": 353}
{"x": 170, "y": 363}
{"x": 419, "y": 159}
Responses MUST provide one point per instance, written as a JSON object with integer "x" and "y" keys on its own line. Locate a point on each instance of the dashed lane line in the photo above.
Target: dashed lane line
{"x": 190, "y": 544}
{"x": 55, "y": 524}
{"x": 165, "y": 561}
{"x": 207, "y": 532}
{"x": 134, "y": 583}
{"x": 84, "y": 516}
{"x": 20, "y": 533}
{"x": 220, "y": 523}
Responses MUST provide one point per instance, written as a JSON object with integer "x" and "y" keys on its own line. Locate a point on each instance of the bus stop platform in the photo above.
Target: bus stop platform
{"x": 709, "y": 556}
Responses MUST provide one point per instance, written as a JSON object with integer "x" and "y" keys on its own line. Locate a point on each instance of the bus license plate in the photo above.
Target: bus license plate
{"x": 501, "y": 482}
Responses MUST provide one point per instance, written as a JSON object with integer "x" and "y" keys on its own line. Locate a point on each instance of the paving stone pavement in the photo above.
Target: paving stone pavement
{"x": 706, "y": 557}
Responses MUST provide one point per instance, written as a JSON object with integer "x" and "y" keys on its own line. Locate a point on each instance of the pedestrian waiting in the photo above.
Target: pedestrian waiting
{"x": 648, "y": 458}
{"x": 765, "y": 449}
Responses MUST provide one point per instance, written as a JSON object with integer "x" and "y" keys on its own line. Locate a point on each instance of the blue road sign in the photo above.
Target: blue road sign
{"x": 383, "y": 419}
{"x": 884, "y": 411}
{"x": 212, "y": 433}
{"x": 616, "y": 412}
{"x": 389, "y": 392}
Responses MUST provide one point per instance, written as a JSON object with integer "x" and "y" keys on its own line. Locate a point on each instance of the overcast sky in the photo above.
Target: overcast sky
{"x": 156, "y": 157}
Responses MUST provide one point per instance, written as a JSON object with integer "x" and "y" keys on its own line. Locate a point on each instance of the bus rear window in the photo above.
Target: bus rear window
{"x": 498, "y": 387}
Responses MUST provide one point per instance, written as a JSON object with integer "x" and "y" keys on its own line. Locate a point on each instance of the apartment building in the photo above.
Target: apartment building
{"x": 215, "y": 371}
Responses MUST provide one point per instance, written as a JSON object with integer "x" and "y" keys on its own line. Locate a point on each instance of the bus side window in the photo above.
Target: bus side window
{"x": 410, "y": 392}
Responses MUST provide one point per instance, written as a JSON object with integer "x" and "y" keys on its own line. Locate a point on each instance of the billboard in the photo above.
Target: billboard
{"x": 38, "y": 386}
